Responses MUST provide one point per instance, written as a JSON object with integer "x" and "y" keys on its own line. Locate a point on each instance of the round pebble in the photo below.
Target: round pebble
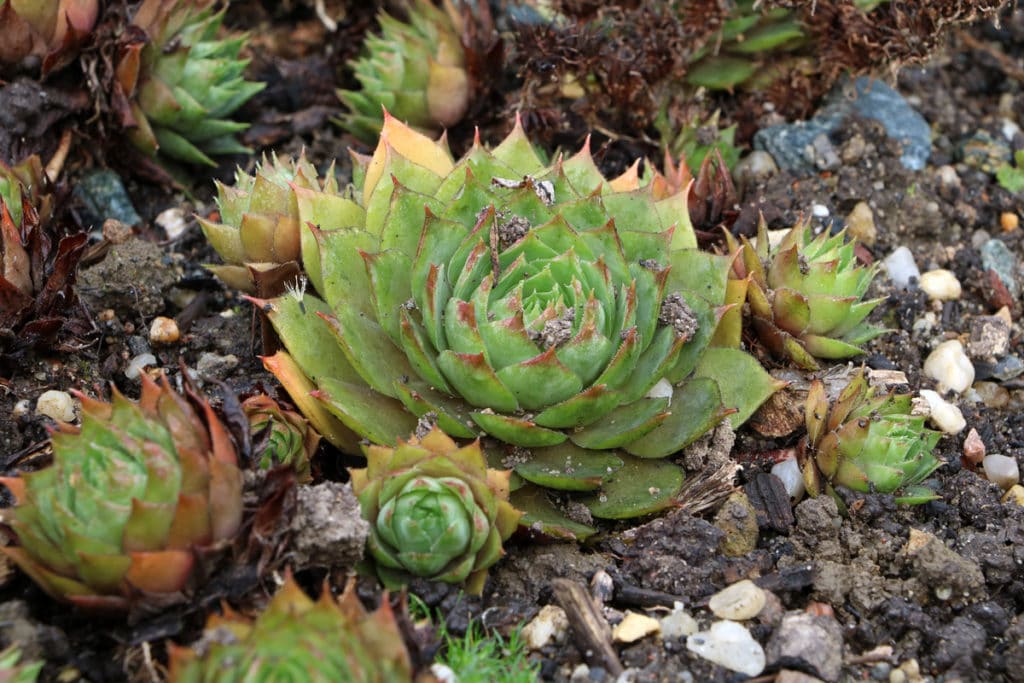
{"x": 729, "y": 644}
{"x": 1015, "y": 494}
{"x": 901, "y": 267}
{"x": 992, "y": 394}
{"x": 1001, "y": 470}
{"x": 56, "y": 405}
{"x": 21, "y": 409}
{"x": 944, "y": 415}
{"x": 678, "y": 623}
{"x": 974, "y": 448}
{"x": 861, "y": 223}
{"x": 941, "y": 285}
{"x": 792, "y": 478}
{"x": 1008, "y": 221}
{"x": 138, "y": 364}
{"x": 550, "y": 624}
{"x": 742, "y": 600}
{"x": 949, "y": 365}
{"x": 163, "y": 330}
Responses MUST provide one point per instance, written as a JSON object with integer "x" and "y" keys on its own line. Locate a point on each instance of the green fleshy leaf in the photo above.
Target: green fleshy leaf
{"x": 744, "y": 384}
{"x": 541, "y": 516}
{"x": 640, "y": 487}
{"x": 567, "y": 467}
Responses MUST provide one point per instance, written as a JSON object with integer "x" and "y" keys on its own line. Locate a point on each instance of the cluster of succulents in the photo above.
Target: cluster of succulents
{"x": 297, "y": 639}
{"x": 543, "y": 306}
{"x": 259, "y": 228}
{"x": 435, "y": 510}
{"x": 50, "y": 30}
{"x": 415, "y": 68}
{"x": 867, "y": 442}
{"x": 132, "y": 496}
{"x": 183, "y": 82}
{"x": 806, "y": 296}
{"x": 282, "y": 437}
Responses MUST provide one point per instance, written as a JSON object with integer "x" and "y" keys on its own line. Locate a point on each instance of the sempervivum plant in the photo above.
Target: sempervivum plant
{"x": 416, "y": 69}
{"x": 281, "y": 436}
{"x": 806, "y": 296}
{"x": 542, "y": 305}
{"x": 183, "y": 82}
{"x": 258, "y": 236}
{"x": 48, "y": 29}
{"x": 435, "y": 510}
{"x": 131, "y": 496}
{"x": 38, "y": 257}
{"x": 297, "y": 639}
{"x": 867, "y": 442}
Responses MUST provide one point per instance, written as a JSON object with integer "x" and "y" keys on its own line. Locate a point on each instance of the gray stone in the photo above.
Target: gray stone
{"x": 793, "y": 145}
{"x": 214, "y": 366}
{"x": 984, "y": 152}
{"x": 997, "y": 256}
{"x": 328, "y": 529}
{"x": 808, "y": 642}
{"x": 104, "y": 196}
{"x": 1003, "y": 370}
{"x": 990, "y": 337}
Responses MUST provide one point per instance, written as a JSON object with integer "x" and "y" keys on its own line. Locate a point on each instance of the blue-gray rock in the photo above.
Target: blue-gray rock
{"x": 984, "y": 152}
{"x": 997, "y": 256}
{"x": 104, "y": 196}
{"x": 793, "y": 144}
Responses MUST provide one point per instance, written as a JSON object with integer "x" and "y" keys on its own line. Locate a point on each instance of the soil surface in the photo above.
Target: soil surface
{"x": 929, "y": 592}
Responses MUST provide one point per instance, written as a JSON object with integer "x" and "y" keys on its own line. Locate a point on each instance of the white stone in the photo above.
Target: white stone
{"x": 550, "y": 625}
{"x": 943, "y": 414}
{"x": 173, "y": 222}
{"x": 21, "y": 409}
{"x": 635, "y": 626}
{"x": 901, "y": 267}
{"x": 56, "y": 405}
{"x": 678, "y": 623}
{"x": 941, "y": 284}
{"x": 819, "y": 210}
{"x": 742, "y": 600}
{"x": 1009, "y": 129}
{"x": 1001, "y": 470}
{"x": 792, "y": 478}
{"x": 138, "y": 364}
{"x": 948, "y": 176}
{"x": 444, "y": 673}
{"x": 163, "y": 330}
{"x": 949, "y": 365}
{"x": 729, "y": 644}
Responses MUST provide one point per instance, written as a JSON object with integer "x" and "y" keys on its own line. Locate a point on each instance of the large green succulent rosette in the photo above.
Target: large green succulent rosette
{"x": 542, "y": 305}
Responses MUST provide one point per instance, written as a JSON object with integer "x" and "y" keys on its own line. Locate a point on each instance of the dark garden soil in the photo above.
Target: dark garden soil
{"x": 932, "y": 592}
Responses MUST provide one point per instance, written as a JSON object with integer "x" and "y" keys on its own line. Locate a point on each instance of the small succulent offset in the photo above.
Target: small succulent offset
{"x": 544, "y": 306}
{"x": 49, "y": 29}
{"x": 132, "y": 495}
{"x": 282, "y": 437}
{"x": 867, "y": 442}
{"x": 13, "y": 672}
{"x": 415, "y": 69}
{"x": 183, "y": 82}
{"x": 258, "y": 236}
{"x": 435, "y": 510}
{"x": 297, "y": 639}
{"x": 37, "y": 261}
{"x": 806, "y": 296}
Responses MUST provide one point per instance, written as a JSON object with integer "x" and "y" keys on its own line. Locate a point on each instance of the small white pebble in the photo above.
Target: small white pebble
{"x": 679, "y": 623}
{"x": 443, "y": 673}
{"x": 742, "y": 600}
{"x": 819, "y": 210}
{"x": 729, "y": 644}
{"x": 138, "y": 364}
{"x": 792, "y": 478}
{"x": 163, "y": 330}
{"x": 944, "y": 415}
{"x": 56, "y": 405}
{"x": 173, "y": 222}
{"x": 550, "y": 624}
{"x": 949, "y": 365}
{"x": 901, "y": 267}
{"x": 941, "y": 284}
{"x": 634, "y": 627}
{"x": 948, "y": 176}
{"x": 1001, "y": 470}
{"x": 21, "y": 409}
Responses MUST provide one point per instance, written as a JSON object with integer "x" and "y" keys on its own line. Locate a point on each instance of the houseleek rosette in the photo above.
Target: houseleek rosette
{"x": 50, "y": 29}
{"x": 435, "y": 510}
{"x": 184, "y": 82}
{"x": 416, "y": 69}
{"x": 806, "y": 296}
{"x": 131, "y": 496}
{"x": 867, "y": 442}
{"x": 544, "y": 306}
{"x": 297, "y": 639}
{"x": 258, "y": 236}
{"x": 282, "y": 437}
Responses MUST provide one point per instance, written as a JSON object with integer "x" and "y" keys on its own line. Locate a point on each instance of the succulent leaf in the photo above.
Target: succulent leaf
{"x": 13, "y": 672}
{"x": 131, "y": 495}
{"x": 435, "y": 510}
{"x": 282, "y": 437}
